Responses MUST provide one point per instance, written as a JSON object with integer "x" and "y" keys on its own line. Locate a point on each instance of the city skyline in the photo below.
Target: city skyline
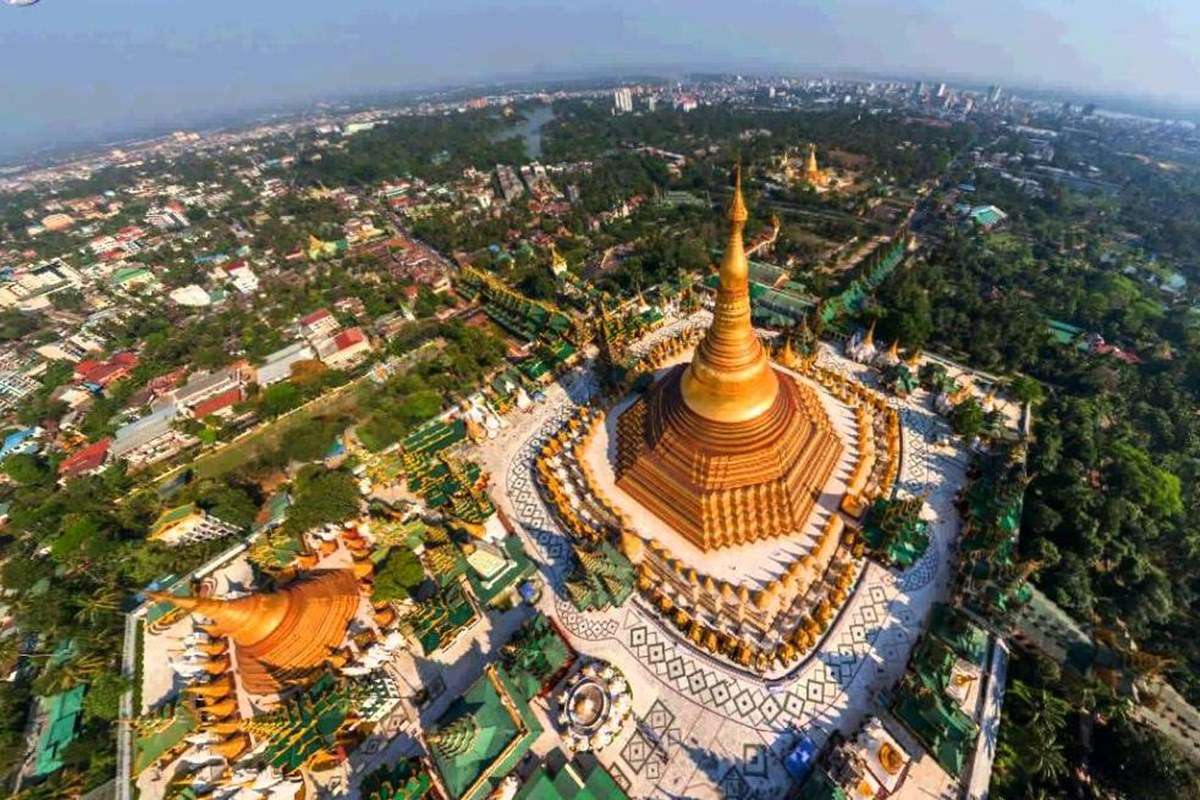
{"x": 214, "y": 60}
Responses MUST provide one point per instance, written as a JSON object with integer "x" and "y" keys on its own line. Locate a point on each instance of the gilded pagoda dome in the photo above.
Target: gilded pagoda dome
{"x": 284, "y": 636}
{"x": 727, "y": 449}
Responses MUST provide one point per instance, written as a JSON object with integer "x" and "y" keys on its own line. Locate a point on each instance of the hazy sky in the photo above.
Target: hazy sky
{"x": 72, "y": 68}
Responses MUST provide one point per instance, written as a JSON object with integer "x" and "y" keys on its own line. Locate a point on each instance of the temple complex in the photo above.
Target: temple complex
{"x": 727, "y": 449}
{"x": 805, "y": 171}
{"x": 813, "y": 175}
{"x": 729, "y": 494}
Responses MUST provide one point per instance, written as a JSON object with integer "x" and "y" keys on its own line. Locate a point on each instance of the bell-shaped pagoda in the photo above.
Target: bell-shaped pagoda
{"x": 728, "y": 449}
{"x": 285, "y": 636}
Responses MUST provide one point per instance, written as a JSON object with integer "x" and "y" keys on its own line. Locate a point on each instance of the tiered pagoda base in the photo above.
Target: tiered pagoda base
{"x": 726, "y": 483}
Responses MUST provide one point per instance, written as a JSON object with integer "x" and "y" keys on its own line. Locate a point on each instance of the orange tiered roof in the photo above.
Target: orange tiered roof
{"x": 280, "y": 637}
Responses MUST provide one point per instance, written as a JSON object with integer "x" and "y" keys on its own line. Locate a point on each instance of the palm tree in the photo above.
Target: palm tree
{"x": 1044, "y": 757}
{"x": 94, "y": 608}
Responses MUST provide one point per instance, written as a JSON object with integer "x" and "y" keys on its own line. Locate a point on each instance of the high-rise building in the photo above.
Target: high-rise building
{"x": 941, "y": 90}
{"x": 994, "y": 93}
{"x": 623, "y": 100}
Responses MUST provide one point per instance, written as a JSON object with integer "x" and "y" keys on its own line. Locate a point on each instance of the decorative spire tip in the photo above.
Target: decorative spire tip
{"x": 737, "y": 209}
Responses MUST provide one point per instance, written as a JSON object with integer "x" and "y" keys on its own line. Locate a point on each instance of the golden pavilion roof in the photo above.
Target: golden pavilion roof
{"x": 283, "y": 636}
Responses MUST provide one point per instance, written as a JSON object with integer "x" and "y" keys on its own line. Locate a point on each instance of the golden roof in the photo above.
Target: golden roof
{"x": 213, "y": 690}
{"x": 232, "y": 747}
{"x": 730, "y": 378}
{"x": 281, "y": 636}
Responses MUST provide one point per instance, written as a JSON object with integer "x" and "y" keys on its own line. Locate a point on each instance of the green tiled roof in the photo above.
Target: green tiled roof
{"x": 537, "y": 651}
{"x": 434, "y": 436}
{"x": 306, "y": 724}
{"x": 405, "y": 780}
{"x": 63, "y": 713}
{"x": 573, "y": 782}
{"x": 518, "y": 569}
{"x": 922, "y": 702}
{"x": 500, "y": 731}
{"x": 438, "y": 620}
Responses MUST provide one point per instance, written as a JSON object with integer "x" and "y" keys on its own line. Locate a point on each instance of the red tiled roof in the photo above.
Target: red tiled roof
{"x": 105, "y": 374}
{"x": 84, "y": 367}
{"x": 126, "y": 359}
{"x": 85, "y": 459}
{"x": 217, "y": 402}
{"x": 349, "y": 338}
{"x": 166, "y": 382}
{"x": 315, "y": 316}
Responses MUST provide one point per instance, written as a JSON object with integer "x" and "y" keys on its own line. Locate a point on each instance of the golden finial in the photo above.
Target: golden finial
{"x": 737, "y": 208}
{"x": 869, "y": 339}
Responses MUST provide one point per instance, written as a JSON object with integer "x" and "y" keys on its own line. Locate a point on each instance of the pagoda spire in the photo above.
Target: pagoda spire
{"x": 456, "y": 738}
{"x": 246, "y": 620}
{"x": 730, "y": 378}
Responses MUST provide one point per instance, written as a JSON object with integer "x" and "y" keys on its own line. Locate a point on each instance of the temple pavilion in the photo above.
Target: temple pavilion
{"x": 481, "y": 737}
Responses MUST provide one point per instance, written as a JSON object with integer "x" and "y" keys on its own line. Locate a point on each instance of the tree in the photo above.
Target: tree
{"x": 279, "y": 398}
{"x": 84, "y": 536}
{"x": 308, "y": 373}
{"x": 1141, "y": 764}
{"x": 26, "y": 468}
{"x": 103, "y": 698}
{"x": 231, "y": 504}
{"x": 398, "y": 576}
{"x": 966, "y": 418}
{"x": 321, "y": 496}
{"x": 1027, "y": 390}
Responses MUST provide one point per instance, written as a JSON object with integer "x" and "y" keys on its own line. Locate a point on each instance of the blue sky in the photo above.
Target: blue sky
{"x": 71, "y": 69}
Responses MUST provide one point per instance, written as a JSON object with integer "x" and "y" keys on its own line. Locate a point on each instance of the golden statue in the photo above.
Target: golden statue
{"x": 726, "y": 449}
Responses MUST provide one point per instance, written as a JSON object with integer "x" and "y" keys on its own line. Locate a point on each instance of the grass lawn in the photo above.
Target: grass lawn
{"x": 269, "y": 436}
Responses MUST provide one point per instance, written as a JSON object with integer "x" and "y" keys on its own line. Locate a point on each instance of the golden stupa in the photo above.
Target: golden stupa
{"x": 726, "y": 449}
{"x": 812, "y": 173}
{"x": 284, "y": 636}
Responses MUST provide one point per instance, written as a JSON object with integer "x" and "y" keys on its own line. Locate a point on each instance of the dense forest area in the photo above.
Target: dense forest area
{"x": 907, "y": 151}
{"x": 434, "y": 148}
{"x": 1113, "y": 463}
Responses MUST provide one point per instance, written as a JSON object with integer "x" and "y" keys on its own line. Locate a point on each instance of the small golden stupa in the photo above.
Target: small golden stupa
{"x": 284, "y": 636}
{"x": 814, "y": 175}
{"x": 726, "y": 449}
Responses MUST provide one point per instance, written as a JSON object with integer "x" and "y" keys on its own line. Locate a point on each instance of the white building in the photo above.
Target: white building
{"x": 318, "y": 325}
{"x": 192, "y": 296}
{"x": 622, "y": 100}
{"x": 278, "y": 365}
{"x": 244, "y": 279}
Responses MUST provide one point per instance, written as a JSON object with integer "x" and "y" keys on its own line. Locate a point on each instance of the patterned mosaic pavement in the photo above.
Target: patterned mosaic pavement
{"x": 705, "y": 729}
